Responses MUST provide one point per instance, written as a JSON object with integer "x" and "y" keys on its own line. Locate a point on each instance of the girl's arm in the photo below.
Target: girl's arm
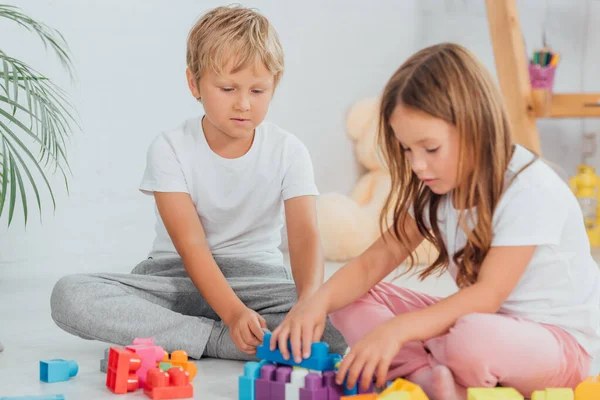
{"x": 306, "y": 254}
{"x": 500, "y": 272}
{"x": 358, "y": 276}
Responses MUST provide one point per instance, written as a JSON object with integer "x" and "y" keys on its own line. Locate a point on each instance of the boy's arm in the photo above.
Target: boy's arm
{"x": 306, "y": 254}
{"x": 185, "y": 229}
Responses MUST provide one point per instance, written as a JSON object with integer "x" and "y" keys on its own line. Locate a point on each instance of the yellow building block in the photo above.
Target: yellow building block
{"x": 497, "y": 393}
{"x": 402, "y": 385}
{"x": 589, "y": 389}
{"x": 553, "y": 394}
{"x": 395, "y": 396}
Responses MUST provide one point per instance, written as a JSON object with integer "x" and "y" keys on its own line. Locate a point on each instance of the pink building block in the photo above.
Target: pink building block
{"x": 149, "y": 354}
{"x": 314, "y": 388}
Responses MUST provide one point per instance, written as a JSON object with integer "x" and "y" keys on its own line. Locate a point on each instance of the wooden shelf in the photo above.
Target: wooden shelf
{"x": 524, "y": 105}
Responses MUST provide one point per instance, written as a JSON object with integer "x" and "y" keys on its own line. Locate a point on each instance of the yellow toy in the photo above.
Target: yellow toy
{"x": 349, "y": 225}
{"x": 553, "y": 394}
{"x": 497, "y": 393}
{"x": 589, "y": 389}
{"x": 586, "y": 187}
{"x": 402, "y": 389}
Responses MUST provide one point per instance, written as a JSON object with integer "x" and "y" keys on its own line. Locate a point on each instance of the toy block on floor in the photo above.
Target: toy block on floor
{"x": 57, "y": 370}
{"x": 334, "y": 391}
{"x": 104, "y": 361}
{"x": 496, "y": 393}
{"x": 121, "y": 374}
{"x": 366, "y": 396}
{"x": 246, "y": 382}
{"x": 283, "y": 376}
{"x": 174, "y": 384}
{"x": 399, "y": 386}
{"x": 589, "y": 389}
{"x": 320, "y": 359}
{"x": 179, "y": 358}
{"x": 42, "y": 397}
{"x": 314, "y": 388}
{"x": 553, "y": 394}
{"x": 262, "y": 386}
{"x": 149, "y": 354}
{"x": 297, "y": 380}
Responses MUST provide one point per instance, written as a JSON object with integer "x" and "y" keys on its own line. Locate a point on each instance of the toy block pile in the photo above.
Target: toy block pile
{"x": 143, "y": 365}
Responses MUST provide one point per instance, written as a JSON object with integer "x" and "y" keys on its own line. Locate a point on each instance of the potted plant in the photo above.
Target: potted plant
{"x": 35, "y": 121}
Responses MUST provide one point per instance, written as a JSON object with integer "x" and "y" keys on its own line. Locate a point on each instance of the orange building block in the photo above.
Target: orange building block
{"x": 174, "y": 384}
{"x": 179, "y": 358}
{"x": 402, "y": 385}
{"x": 121, "y": 371}
{"x": 367, "y": 396}
{"x": 589, "y": 389}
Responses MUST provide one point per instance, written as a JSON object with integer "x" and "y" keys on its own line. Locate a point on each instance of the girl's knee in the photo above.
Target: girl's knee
{"x": 467, "y": 341}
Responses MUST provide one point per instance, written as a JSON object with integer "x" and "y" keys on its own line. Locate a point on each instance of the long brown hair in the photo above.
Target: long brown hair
{"x": 446, "y": 81}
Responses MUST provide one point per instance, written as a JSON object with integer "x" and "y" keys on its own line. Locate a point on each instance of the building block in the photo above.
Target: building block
{"x": 262, "y": 386}
{"x": 320, "y": 359}
{"x": 395, "y": 396}
{"x": 57, "y": 370}
{"x": 246, "y": 382}
{"x": 366, "y": 396}
{"x": 150, "y": 356}
{"x": 402, "y": 385}
{"x": 553, "y": 394}
{"x": 179, "y": 358}
{"x": 120, "y": 375}
{"x": 496, "y": 393}
{"x": 283, "y": 376}
{"x": 174, "y": 384}
{"x": 589, "y": 389}
{"x": 165, "y": 366}
{"x": 314, "y": 388}
{"x": 334, "y": 391}
{"x": 297, "y": 380}
{"x": 104, "y": 361}
{"x": 41, "y": 397}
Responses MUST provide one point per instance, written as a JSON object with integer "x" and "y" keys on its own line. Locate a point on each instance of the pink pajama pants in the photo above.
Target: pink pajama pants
{"x": 481, "y": 350}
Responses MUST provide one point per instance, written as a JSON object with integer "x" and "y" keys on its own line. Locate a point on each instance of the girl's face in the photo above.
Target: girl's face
{"x": 431, "y": 146}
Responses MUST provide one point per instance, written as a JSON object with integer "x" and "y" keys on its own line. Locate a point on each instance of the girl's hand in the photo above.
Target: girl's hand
{"x": 371, "y": 354}
{"x": 303, "y": 325}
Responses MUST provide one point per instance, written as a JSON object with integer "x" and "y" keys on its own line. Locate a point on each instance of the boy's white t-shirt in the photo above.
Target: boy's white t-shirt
{"x": 561, "y": 284}
{"x": 239, "y": 201}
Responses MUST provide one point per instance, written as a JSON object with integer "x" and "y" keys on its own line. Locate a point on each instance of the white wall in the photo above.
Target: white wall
{"x": 130, "y": 59}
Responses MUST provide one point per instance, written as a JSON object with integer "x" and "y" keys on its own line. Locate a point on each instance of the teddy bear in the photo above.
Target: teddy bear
{"x": 349, "y": 225}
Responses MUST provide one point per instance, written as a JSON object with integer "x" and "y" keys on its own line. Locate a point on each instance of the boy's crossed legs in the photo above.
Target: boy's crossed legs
{"x": 481, "y": 350}
{"x": 158, "y": 299}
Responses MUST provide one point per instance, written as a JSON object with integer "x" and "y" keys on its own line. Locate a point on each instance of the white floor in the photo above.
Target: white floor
{"x": 30, "y": 335}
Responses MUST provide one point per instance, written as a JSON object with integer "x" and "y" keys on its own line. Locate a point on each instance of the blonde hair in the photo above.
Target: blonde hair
{"x": 233, "y": 33}
{"x": 446, "y": 81}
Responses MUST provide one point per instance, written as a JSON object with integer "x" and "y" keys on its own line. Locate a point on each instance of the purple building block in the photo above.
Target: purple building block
{"x": 282, "y": 376}
{"x": 262, "y": 386}
{"x": 334, "y": 391}
{"x": 314, "y": 388}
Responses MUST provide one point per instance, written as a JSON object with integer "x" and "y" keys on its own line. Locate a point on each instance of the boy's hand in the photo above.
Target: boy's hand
{"x": 303, "y": 325}
{"x": 246, "y": 330}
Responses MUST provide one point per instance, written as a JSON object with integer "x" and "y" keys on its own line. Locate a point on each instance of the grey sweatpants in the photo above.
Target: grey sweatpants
{"x": 159, "y": 300}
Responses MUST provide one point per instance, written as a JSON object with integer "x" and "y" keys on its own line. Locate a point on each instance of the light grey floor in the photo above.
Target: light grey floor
{"x": 29, "y": 336}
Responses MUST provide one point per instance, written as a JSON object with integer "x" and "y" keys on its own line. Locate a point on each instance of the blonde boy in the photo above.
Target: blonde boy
{"x": 215, "y": 277}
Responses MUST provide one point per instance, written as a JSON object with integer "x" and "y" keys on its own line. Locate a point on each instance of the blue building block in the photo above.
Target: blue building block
{"x": 42, "y": 397}
{"x": 57, "y": 370}
{"x": 246, "y": 382}
{"x": 320, "y": 359}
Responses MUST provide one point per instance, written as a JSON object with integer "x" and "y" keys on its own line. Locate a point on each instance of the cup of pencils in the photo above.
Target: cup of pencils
{"x": 542, "y": 67}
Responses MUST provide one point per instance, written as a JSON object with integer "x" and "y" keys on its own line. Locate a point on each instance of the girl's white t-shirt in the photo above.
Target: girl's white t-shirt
{"x": 561, "y": 284}
{"x": 240, "y": 201}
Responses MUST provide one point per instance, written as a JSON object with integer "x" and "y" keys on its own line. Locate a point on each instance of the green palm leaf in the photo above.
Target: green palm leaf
{"x": 35, "y": 122}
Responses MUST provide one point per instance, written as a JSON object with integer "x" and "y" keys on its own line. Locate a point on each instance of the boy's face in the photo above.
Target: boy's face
{"x": 235, "y": 103}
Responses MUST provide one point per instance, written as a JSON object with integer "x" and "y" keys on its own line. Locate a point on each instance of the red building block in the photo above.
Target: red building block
{"x": 150, "y": 356}
{"x": 179, "y": 358}
{"x": 174, "y": 384}
{"x": 120, "y": 373}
